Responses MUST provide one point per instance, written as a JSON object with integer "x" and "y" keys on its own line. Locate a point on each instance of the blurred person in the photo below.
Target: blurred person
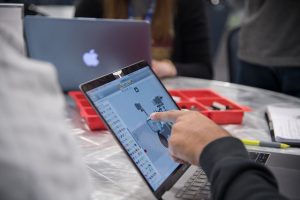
{"x": 269, "y": 46}
{"x": 197, "y": 140}
{"x": 38, "y": 156}
{"x": 180, "y": 41}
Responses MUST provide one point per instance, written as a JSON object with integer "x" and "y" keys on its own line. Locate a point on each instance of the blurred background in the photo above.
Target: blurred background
{"x": 223, "y": 16}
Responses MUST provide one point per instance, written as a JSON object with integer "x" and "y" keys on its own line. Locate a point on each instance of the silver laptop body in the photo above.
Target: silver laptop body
{"x": 85, "y": 48}
{"x": 285, "y": 167}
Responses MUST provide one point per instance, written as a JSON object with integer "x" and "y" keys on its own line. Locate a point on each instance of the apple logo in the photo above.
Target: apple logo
{"x": 90, "y": 58}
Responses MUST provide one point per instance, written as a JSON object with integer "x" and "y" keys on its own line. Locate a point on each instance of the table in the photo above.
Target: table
{"x": 113, "y": 176}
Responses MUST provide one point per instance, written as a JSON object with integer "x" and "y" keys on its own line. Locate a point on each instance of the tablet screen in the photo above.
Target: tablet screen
{"x": 125, "y": 104}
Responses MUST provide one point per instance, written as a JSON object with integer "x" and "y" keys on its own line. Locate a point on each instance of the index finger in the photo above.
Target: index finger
{"x": 168, "y": 116}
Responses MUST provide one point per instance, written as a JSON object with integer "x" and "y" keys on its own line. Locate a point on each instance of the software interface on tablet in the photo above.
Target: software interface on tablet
{"x": 126, "y": 104}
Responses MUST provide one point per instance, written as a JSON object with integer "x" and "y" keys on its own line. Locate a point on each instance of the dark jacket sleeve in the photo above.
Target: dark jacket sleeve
{"x": 191, "y": 47}
{"x": 234, "y": 176}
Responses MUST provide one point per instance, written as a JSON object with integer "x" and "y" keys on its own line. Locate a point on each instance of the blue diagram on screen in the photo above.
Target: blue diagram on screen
{"x": 162, "y": 129}
{"x": 126, "y": 104}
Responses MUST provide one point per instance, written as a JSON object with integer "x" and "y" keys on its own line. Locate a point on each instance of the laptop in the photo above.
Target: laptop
{"x": 286, "y": 169}
{"x": 124, "y": 100}
{"x": 85, "y": 48}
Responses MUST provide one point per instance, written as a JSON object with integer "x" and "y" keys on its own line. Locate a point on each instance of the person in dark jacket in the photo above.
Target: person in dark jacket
{"x": 198, "y": 140}
{"x": 269, "y": 46}
{"x": 179, "y": 32}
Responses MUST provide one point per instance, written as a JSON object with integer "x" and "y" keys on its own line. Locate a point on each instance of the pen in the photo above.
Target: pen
{"x": 265, "y": 144}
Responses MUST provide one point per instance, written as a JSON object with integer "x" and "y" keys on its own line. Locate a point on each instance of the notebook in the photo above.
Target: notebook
{"x": 284, "y": 123}
{"x": 85, "y": 48}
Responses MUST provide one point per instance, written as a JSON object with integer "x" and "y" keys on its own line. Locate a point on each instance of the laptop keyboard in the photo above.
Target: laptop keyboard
{"x": 198, "y": 187}
{"x": 259, "y": 157}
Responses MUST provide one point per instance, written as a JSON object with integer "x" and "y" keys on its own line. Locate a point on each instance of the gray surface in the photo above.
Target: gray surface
{"x": 113, "y": 175}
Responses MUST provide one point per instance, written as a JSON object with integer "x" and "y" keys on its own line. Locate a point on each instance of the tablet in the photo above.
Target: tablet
{"x": 124, "y": 100}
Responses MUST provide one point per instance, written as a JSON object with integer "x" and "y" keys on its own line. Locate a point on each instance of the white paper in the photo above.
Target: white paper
{"x": 286, "y": 122}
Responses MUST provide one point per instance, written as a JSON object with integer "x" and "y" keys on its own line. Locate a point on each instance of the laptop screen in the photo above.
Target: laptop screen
{"x": 125, "y": 104}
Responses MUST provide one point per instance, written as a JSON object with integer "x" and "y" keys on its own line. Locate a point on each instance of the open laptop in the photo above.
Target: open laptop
{"x": 125, "y": 99}
{"x": 85, "y": 48}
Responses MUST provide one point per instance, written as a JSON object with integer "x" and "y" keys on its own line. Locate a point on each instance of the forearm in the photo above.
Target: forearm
{"x": 233, "y": 176}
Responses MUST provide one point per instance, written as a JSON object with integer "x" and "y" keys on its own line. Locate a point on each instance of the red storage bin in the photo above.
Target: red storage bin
{"x": 76, "y": 95}
{"x": 82, "y": 104}
{"x": 202, "y": 100}
{"x": 195, "y": 99}
{"x": 87, "y": 112}
{"x": 234, "y": 115}
{"x": 193, "y": 105}
{"x": 92, "y": 119}
{"x": 178, "y": 96}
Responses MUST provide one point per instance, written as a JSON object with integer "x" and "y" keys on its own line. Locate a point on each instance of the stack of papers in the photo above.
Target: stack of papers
{"x": 284, "y": 123}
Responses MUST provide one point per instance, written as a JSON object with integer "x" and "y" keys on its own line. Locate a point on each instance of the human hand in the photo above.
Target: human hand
{"x": 164, "y": 68}
{"x": 191, "y": 132}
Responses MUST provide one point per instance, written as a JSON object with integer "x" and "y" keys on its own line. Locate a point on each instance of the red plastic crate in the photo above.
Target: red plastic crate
{"x": 193, "y": 105}
{"x": 202, "y": 100}
{"x": 76, "y": 95}
{"x": 199, "y": 99}
{"x": 87, "y": 112}
{"x": 82, "y": 104}
{"x": 92, "y": 119}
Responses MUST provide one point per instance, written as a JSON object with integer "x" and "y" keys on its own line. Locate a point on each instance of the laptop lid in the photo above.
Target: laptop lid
{"x": 124, "y": 100}
{"x": 82, "y": 49}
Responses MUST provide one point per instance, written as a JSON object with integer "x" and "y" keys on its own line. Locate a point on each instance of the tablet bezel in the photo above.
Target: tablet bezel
{"x": 85, "y": 87}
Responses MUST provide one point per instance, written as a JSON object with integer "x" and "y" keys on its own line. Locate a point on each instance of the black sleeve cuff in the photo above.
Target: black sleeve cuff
{"x": 219, "y": 149}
